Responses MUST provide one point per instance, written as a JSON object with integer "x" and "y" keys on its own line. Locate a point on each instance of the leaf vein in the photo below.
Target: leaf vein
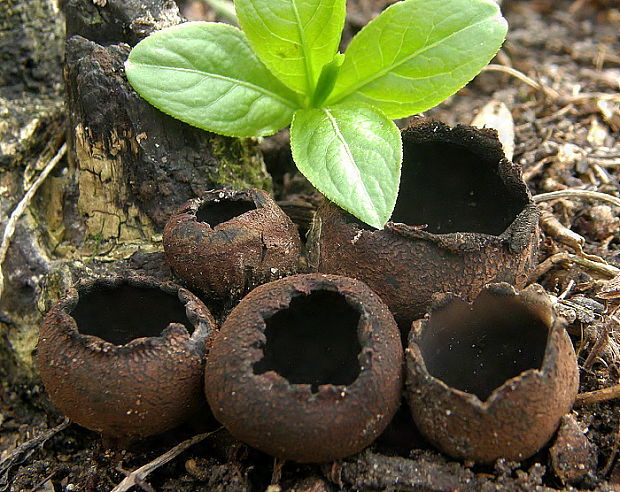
{"x": 343, "y": 142}
{"x": 304, "y": 48}
{"x": 224, "y": 78}
{"x": 371, "y": 78}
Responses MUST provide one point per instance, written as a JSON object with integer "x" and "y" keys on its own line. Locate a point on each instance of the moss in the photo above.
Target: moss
{"x": 23, "y": 343}
{"x": 240, "y": 164}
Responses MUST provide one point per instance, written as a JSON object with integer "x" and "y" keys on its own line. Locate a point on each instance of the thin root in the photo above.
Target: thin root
{"x": 586, "y": 194}
{"x": 9, "y": 229}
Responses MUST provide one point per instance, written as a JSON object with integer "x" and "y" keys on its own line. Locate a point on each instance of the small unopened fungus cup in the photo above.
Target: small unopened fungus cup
{"x": 491, "y": 379}
{"x": 227, "y": 242}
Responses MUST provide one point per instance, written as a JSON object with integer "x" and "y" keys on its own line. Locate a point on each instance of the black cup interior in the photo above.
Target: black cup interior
{"x": 452, "y": 189}
{"x": 478, "y": 350}
{"x": 121, "y": 314}
{"x": 214, "y": 213}
{"x": 313, "y": 341}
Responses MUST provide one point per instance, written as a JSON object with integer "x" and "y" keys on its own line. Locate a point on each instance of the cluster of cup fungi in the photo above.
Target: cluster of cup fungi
{"x": 312, "y": 367}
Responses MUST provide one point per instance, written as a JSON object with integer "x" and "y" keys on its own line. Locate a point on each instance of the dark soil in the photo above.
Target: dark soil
{"x": 566, "y": 137}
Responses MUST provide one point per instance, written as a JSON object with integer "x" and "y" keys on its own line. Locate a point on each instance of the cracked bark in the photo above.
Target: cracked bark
{"x": 128, "y": 165}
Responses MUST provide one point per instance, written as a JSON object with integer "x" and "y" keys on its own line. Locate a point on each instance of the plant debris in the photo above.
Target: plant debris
{"x": 566, "y": 128}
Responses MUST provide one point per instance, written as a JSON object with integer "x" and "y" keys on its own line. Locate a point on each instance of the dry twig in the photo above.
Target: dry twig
{"x": 554, "y": 228}
{"x": 136, "y": 477}
{"x": 537, "y": 167}
{"x": 598, "y": 396}
{"x": 276, "y": 474}
{"x": 9, "y": 229}
{"x": 585, "y": 194}
{"x": 523, "y": 78}
{"x": 604, "y": 269}
{"x": 563, "y": 257}
{"x": 601, "y": 342}
{"x": 23, "y": 451}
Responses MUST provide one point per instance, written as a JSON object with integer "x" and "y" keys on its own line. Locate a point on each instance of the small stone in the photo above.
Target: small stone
{"x": 572, "y": 454}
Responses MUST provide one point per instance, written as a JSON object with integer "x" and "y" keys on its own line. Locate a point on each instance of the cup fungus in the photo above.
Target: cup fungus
{"x": 463, "y": 218}
{"x": 307, "y": 368}
{"x": 116, "y": 355}
{"x": 491, "y": 379}
{"x": 227, "y": 242}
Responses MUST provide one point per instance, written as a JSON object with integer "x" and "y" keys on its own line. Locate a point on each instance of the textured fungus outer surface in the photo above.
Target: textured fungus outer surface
{"x": 481, "y": 225}
{"x": 519, "y": 415}
{"x": 300, "y": 421}
{"x": 141, "y": 386}
{"x": 227, "y": 242}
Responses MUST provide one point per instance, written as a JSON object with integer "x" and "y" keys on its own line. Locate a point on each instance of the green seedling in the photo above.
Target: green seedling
{"x": 284, "y": 69}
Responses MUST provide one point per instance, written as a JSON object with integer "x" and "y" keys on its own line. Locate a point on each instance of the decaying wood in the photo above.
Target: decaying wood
{"x": 135, "y": 165}
{"x": 118, "y": 21}
{"x": 31, "y": 120}
{"x": 128, "y": 166}
{"x": 9, "y": 229}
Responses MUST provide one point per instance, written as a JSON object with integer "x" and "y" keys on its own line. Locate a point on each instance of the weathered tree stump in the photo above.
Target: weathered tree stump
{"x": 135, "y": 164}
{"x": 31, "y": 116}
{"x": 128, "y": 165}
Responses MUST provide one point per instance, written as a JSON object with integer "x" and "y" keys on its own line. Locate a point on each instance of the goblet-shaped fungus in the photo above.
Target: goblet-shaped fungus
{"x": 227, "y": 242}
{"x": 463, "y": 218}
{"x": 307, "y": 368}
{"x": 491, "y": 379}
{"x": 116, "y": 355}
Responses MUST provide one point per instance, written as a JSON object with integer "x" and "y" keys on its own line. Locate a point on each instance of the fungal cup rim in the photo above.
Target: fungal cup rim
{"x": 555, "y": 325}
{"x": 253, "y": 344}
{"x": 517, "y": 233}
{"x": 363, "y": 336}
{"x": 199, "y": 317}
{"x": 191, "y": 207}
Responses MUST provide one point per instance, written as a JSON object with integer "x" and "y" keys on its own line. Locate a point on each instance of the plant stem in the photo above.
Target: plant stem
{"x": 223, "y": 8}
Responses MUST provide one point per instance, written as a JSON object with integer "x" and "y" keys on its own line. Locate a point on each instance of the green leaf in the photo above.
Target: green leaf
{"x": 352, "y": 155}
{"x": 417, "y": 53}
{"x": 294, "y": 38}
{"x": 327, "y": 80}
{"x": 206, "y": 74}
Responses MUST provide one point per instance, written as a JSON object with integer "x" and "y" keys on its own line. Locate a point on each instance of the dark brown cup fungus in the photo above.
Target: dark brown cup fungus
{"x": 116, "y": 356}
{"x": 227, "y": 242}
{"x": 307, "y": 368}
{"x": 491, "y": 379}
{"x": 463, "y": 218}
